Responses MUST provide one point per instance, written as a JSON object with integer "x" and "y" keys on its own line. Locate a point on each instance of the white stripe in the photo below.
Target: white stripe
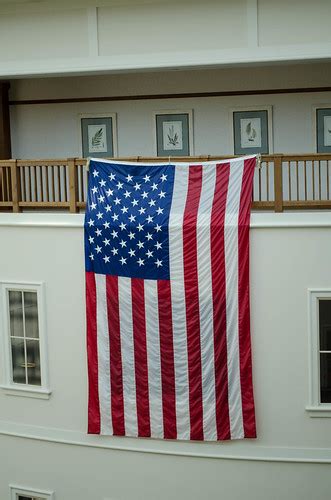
{"x": 206, "y": 302}
{"x": 127, "y": 350}
{"x": 153, "y": 358}
{"x": 176, "y": 262}
{"x": 104, "y": 387}
{"x": 232, "y": 307}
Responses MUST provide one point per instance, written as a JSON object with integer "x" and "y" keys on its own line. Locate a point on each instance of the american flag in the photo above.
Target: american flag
{"x": 167, "y": 298}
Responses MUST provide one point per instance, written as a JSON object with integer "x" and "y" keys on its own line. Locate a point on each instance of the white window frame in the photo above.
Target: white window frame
{"x": 315, "y": 408}
{"x": 18, "y": 490}
{"x": 8, "y": 386}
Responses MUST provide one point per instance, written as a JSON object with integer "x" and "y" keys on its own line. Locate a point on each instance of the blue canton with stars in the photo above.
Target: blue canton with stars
{"x": 126, "y": 220}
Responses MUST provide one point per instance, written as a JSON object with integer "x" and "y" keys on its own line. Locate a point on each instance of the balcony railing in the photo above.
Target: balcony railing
{"x": 284, "y": 182}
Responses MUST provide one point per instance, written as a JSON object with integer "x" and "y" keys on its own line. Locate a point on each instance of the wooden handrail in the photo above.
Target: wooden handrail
{"x": 285, "y": 182}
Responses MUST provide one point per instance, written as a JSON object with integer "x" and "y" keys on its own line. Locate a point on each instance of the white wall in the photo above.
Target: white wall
{"x": 84, "y": 36}
{"x": 52, "y": 130}
{"x": 285, "y": 262}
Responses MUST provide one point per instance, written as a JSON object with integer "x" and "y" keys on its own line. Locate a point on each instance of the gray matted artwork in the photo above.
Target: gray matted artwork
{"x": 172, "y": 134}
{"x": 323, "y": 130}
{"x": 97, "y": 137}
{"x": 250, "y": 131}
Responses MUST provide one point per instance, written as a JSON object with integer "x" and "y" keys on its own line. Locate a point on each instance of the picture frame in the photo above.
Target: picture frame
{"x": 98, "y": 135}
{"x": 173, "y": 134}
{"x": 322, "y": 128}
{"x": 252, "y": 130}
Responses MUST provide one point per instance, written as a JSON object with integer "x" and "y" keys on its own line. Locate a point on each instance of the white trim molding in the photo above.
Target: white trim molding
{"x": 315, "y": 408}
{"x": 8, "y": 386}
{"x": 20, "y": 490}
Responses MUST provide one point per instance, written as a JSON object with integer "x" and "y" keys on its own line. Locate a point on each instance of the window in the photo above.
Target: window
{"x": 24, "y": 337}
{"x": 320, "y": 353}
{"x": 17, "y": 493}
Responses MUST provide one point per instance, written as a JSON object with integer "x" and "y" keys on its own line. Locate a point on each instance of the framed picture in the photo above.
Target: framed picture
{"x": 323, "y": 129}
{"x": 173, "y": 133}
{"x": 252, "y": 130}
{"x": 98, "y": 135}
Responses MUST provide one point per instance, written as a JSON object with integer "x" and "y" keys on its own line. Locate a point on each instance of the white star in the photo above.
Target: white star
{"x": 114, "y": 251}
{"x": 149, "y": 236}
{"x": 163, "y": 177}
{"x": 98, "y": 249}
{"x": 101, "y": 198}
{"x": 91, "y": 222}
{"x": 114, "y": 217}
{"x": 132, "y": 218}
{"x": 158, "y": 262}
{"x": 140, "y": 262}
{"x": 154, "y": 186}
{"x": 109, "y": 192}
{"x": 112, "y": 176}
{"x": 159, "y": 211}
{"x": 122, "y": 226}
{"x": 158, "y": 245}
{"x": 149, "y": 218}
{"x": 127, "y": 194}
{"x": 162, "y": 194}
{"x": 140, "y": 227}
{"x": 99, "y": 215}
{"x": 124, "y": 210}
{"x": 149, "y": 254}
{"x": 132, "y": 253}
{"x": 93, "y": 206}
{"x": 151, "y": 203}
{"x": 129, "y": 178}
{"x": 144, "y": 195}
{"x": 106, "y": 225}
{"x": 147, "y": 178}
{"x": 131, "y": 235}
{"x": 95, "y": 173}
{"x": 91, "y": 240}
{"x": 106, "y": 259}
{"x": 140, "y": 244}
{"x": 108, "y": 208}
{"x": 142, "y": 210}
{"x": 102, "y": 183}
{"x": 158, "y": 228}
{"x": 123, "y": 243}
{"x": 134, "y": 202}
{"x": 98, "y": 232}
{"x": 117, "y": 201}
{"x": 122, "y": 260}
{"x": 91, "y": 256}
{"x": 114, "y": 233}
{"x": 137, "y": 186}
{"x": 119, "y": 185}
{"x": 94, "y": 190}
{"x": 106, "y": 242}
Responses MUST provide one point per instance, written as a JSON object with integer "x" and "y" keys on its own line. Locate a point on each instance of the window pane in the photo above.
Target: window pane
{"x": 31, "y": 314}
{"x": 18, "y": 361}
{"x": 325, "y": 378}
{"x": 33, "y": 364}
{"x": 16, "y": 313}
{"x": 325, "y": 324}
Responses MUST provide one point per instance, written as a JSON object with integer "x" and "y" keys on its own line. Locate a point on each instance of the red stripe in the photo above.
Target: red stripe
{"x": 192, "y": 301}
{"x": 243, "y": 300}
{"x": 115, "y": 355}
{"x": 92, "y": 355}
{"x": 167, "y": 360}
{"x": 219, "y": 300}
{"x": 140, "y": 356}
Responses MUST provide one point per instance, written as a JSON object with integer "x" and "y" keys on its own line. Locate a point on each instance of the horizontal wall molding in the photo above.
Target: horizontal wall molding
{"x": 234, "y": 450}
{"x": 258, "y": 220}
{"x": 188, "y": 95}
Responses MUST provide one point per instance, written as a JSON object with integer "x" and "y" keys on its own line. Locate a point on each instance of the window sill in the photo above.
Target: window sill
{"x": 319, "y": 411}
{"x": 26, "y": 392}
